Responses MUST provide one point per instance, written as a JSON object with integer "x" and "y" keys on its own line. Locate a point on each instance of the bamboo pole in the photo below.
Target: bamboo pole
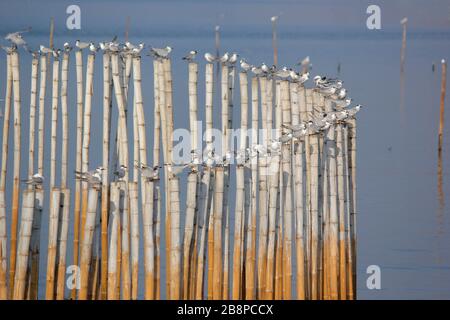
{"x": 62, "y": 242}
{"x": 188, "y": 241}
{"x": 205, "y": 232}
{"x": 105, "y": 179}
{"x": 16, "y": 169}
{"x": 86, "y": 134}
{"x": 133, "y": 189}
{"x": 54, "y": 127}
{"x": 114, "y": 217}
{"x": 65, "y": 119}
{"x": 273, "y": 171}
{"x": 32, "y": 126}
{"x": 298, "y": 160}
{"x": 250, "y": 253}
{"x": 441, "y": 112}
{"x": 78, "y": 160}
{"x": 55, "y": 194}
{"x": 263, "y": 188}
{"x": 24, "y": 244}
{"x": 239, "y": 209}
{"x": 86, "y": 244}
{"x": 3, "y": 236}
{"x": 351, "y": 125}
{"x": 156, "y": 206}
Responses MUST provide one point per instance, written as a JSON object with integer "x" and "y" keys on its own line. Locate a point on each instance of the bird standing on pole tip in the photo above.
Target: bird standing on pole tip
{"x": 404, "y": 20}
{"x": 190, "y": 56}
{"x": 161, "y": 53}
{"x": 209, "y": 57}
{"x": 443, "y": 61}
{"x": 16, "y": 38}
{"x": 81, "y": 45}
{"x": 121, "y": 172}
{"x": 35, "y": 180}
{"x": 274, "y": 18}
{"x": 224, "y": 59}
{"x": 245, "y": 66}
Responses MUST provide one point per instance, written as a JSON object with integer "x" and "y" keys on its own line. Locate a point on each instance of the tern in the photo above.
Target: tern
{"x": 82, "y": 45}
{"x": 353, "y": 111}
{"x": 245, "y": 66}
{"x": 283, "y": 73}
{"x": 161, "y": 52}
{"x": 148, "y": 173}
{"x": 67, "y": 47}
{"x": 16, "y": 38}
{"x": 137, "y": 49}
{"x": 233, "y": 58}
{"x": 190, "y": 56}
{"x": 92, "y": 47}
{"x": 257, "y": 71}
{"x": 303, "y": 78}
{"x": 45, "y": 50}
{"x": 295, "y": 127}
{"x": 286, "y": 137}
{"x": 98, "y": 170}
{"x": 121, "y": 172}
{"x": 209, "y": 57}
{"x": 56, "y": 53}
{"x": 225, "y": 57}
{"x": 36, "y": 179}
{"x": 265, "y": 68}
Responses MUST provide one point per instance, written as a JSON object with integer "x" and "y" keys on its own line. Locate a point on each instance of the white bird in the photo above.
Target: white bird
{"x": 227, "y": 158}
{"x": 300, "y": 133}
{"x": 245, "y": 66}
{"x": 344, "y": 103}
{"x": 225, "y": 57}
{"x": 176, "y": 169}
{"x": 82, "y": 45}
{"x": 92, "y": 177}
{"x": 327, "y": 91}
{"x": 190, "y": 56}
{"x": 36, "y": 179}
{"x": 103, "y": 46}
{"x": 148, "y": 173}
{"x": 353, "y": 111}
{"x": 259, "y": 149}
{"x": 121, "y": 172}
{"x": 303, "y": 78}
{"x": 265, "y": 68}
{"x": 286, "y": 137}
{"x": 283, "y": 73}
{"x": 45, "y": 50}
{"x": 294, "y": 75}
{"x": 113, "y": 46}
{"x": 92, "y": 47}
{"x": 137, "y": 49}
{"x": 8, "y": 49}
{"x": 129, "y": 45}
{"x": 233, "y": 58}
{"x": 209, "y": 57}
{"x": 56, "y": 53}
{"x": 16, "y": 38}
{"x": 257, "y": 71}
{"x": 274, "y": 146}
{"x": 161, "y": 52}
{"x": 295, "y": 127}
{"x": 67, "y": 47}
{"x": 305, "y": 62}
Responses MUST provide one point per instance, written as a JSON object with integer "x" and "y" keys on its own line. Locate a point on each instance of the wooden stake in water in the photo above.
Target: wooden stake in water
{"x": 441, "y": 112}
{"x": 3, "y": 238}
{"x": 274, "y": 39}
{"x": 114, "y": 221}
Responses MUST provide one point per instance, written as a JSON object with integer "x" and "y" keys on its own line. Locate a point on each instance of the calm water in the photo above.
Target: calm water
{"x": 401, "y": 227}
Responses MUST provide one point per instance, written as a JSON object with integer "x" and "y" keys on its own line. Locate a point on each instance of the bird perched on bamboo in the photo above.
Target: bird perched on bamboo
{"x": 93, "y": 48}
{"x": 160, "y": 53}
{"x": 294, "y": 127}
{"x": 304, "y": 63}
{"x": 211, "y": 159}
{"x": 243, "y": 157}
{"x": 35, "y": 180}
{"x": 45, "y": 50}
{"x": 340, "y": 94}
{"x": 67, "y": 47}
{"x": 56, "y": 53}
{"x": 209, "y": 57}
{"x": 81, "y": 45}
{"x": 233, "y": 58}
{"x": 245, "y": 66}
{"x": 16, "y": 38}
{"x": 351, "y": 112}
{"x": 190, "y": 56}
{"x": 257, "y": 71}
{"x": 93, "y": 177}
{"x": 121, "y": 172}
{"x": 224, "y": 59}
{"x": 9, "y": 50}
{"x": 148, "y": 173}
{"x": 283, "y": 73}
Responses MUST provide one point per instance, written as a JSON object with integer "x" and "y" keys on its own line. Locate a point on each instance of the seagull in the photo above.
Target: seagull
{"x": 35, "y": 180}
{"x": 265, "y": 68}
{"x": 56, "y": 53}
{"x": 98, "y": 170}
{"x": 176, "y": 169}
{"x": 81, "y": 45}
{"x": 93, "y": 177}
{"x": 45, "y": 50}
{"x": 227, "y": 158}
{"x": 161, "y": 52}
{"x": 92, "y": 47}
{"x": 233, "y": 58}
{"x": 300, "y": 133}
{"x": 283, "y": 73}
{"x": 286, "y": 137}
{"x": 209, "y": 57}
{"x": 103, "y": 46}
{"x": 245, "y": 66}
{"x": 137, "y": 49}
{"x": 295, "y": 127}
{"x": 242, "y": 156}
{"x": 113, "y": 46}
{"x": 274, "y": 146}
{"x": 225, "y": 57}
{"x": 305, "y": 62}
{"x": 303, "y": 78}
{"x": 294, "y": 75}
{"x": 121, "y": 172}
{"x": 190, "y": 56}
{"x": 327, "y": 91}
{"x": 353, "y": 111}
{"x": 129, "y": 45}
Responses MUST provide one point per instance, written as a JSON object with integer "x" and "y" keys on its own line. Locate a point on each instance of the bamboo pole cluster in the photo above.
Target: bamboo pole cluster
{"x": 287, "y": 231}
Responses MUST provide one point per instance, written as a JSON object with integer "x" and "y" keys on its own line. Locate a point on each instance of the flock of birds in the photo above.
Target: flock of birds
{"x": 328, "y": 87}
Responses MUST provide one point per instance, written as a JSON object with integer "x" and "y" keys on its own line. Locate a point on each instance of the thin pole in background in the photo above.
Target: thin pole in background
{"x": 274, "y": 39}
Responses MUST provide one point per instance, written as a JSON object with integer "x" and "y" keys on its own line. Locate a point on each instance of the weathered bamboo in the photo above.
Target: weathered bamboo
{"x": 86, "y": 243}
{"x": 441, "y": 111}
{"x": 16, "y": 169}
{"x": 351, "y": 153}
{"x": 273, "y": 171}
{"x": 114, "y": 217}
{"x": 24, "y": 244}
{"x": 86, "y": 134}
{"x": 287, "y": 205}
{"x": 105, "y": 178}
{"x": 205, "y": 232}
{"x": 156, "y": 206}
{"x": 55, "y": 195}
{"x": 263, "y": 188}
{"x": 3, "y": 237}
{"x": 78, "y": 160}
{"x": 298, "y": 195}
{"x": 54, "y": 119}
{"x": 239, "y": 209}
{"x": 62, "y": 242}
{"x": 188, "y": 245}
{"x": 250, "y": 253}
{"x": 32, "y": 126}
{"x": 133, "y": 189}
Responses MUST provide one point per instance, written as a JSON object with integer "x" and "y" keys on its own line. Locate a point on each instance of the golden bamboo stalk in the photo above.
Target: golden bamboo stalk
{"x": 134, "y": 224}
{"x": 250, "y": 253}
{"x": 105, "y": 163}
{"x": 442, "y": 105}
{"x": 24, "y": 244}
{"x": 114, "y": 218}
{"x": 62, "y": 243}
{"x": 125, "y": 243}
{"x": 188, "y": 241}
{"x": 78, "y": 160}
{"x": 16, "y": 169}
{"x": 55, "y": 195}
{"x": 54, "y": 119}
{"x": 32, "y": 127}
{"x": 351, "y": 153}
{"x": 3, "y": 237}
{"x": 263, "y": 195}
{"x": 86, "y": 243}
